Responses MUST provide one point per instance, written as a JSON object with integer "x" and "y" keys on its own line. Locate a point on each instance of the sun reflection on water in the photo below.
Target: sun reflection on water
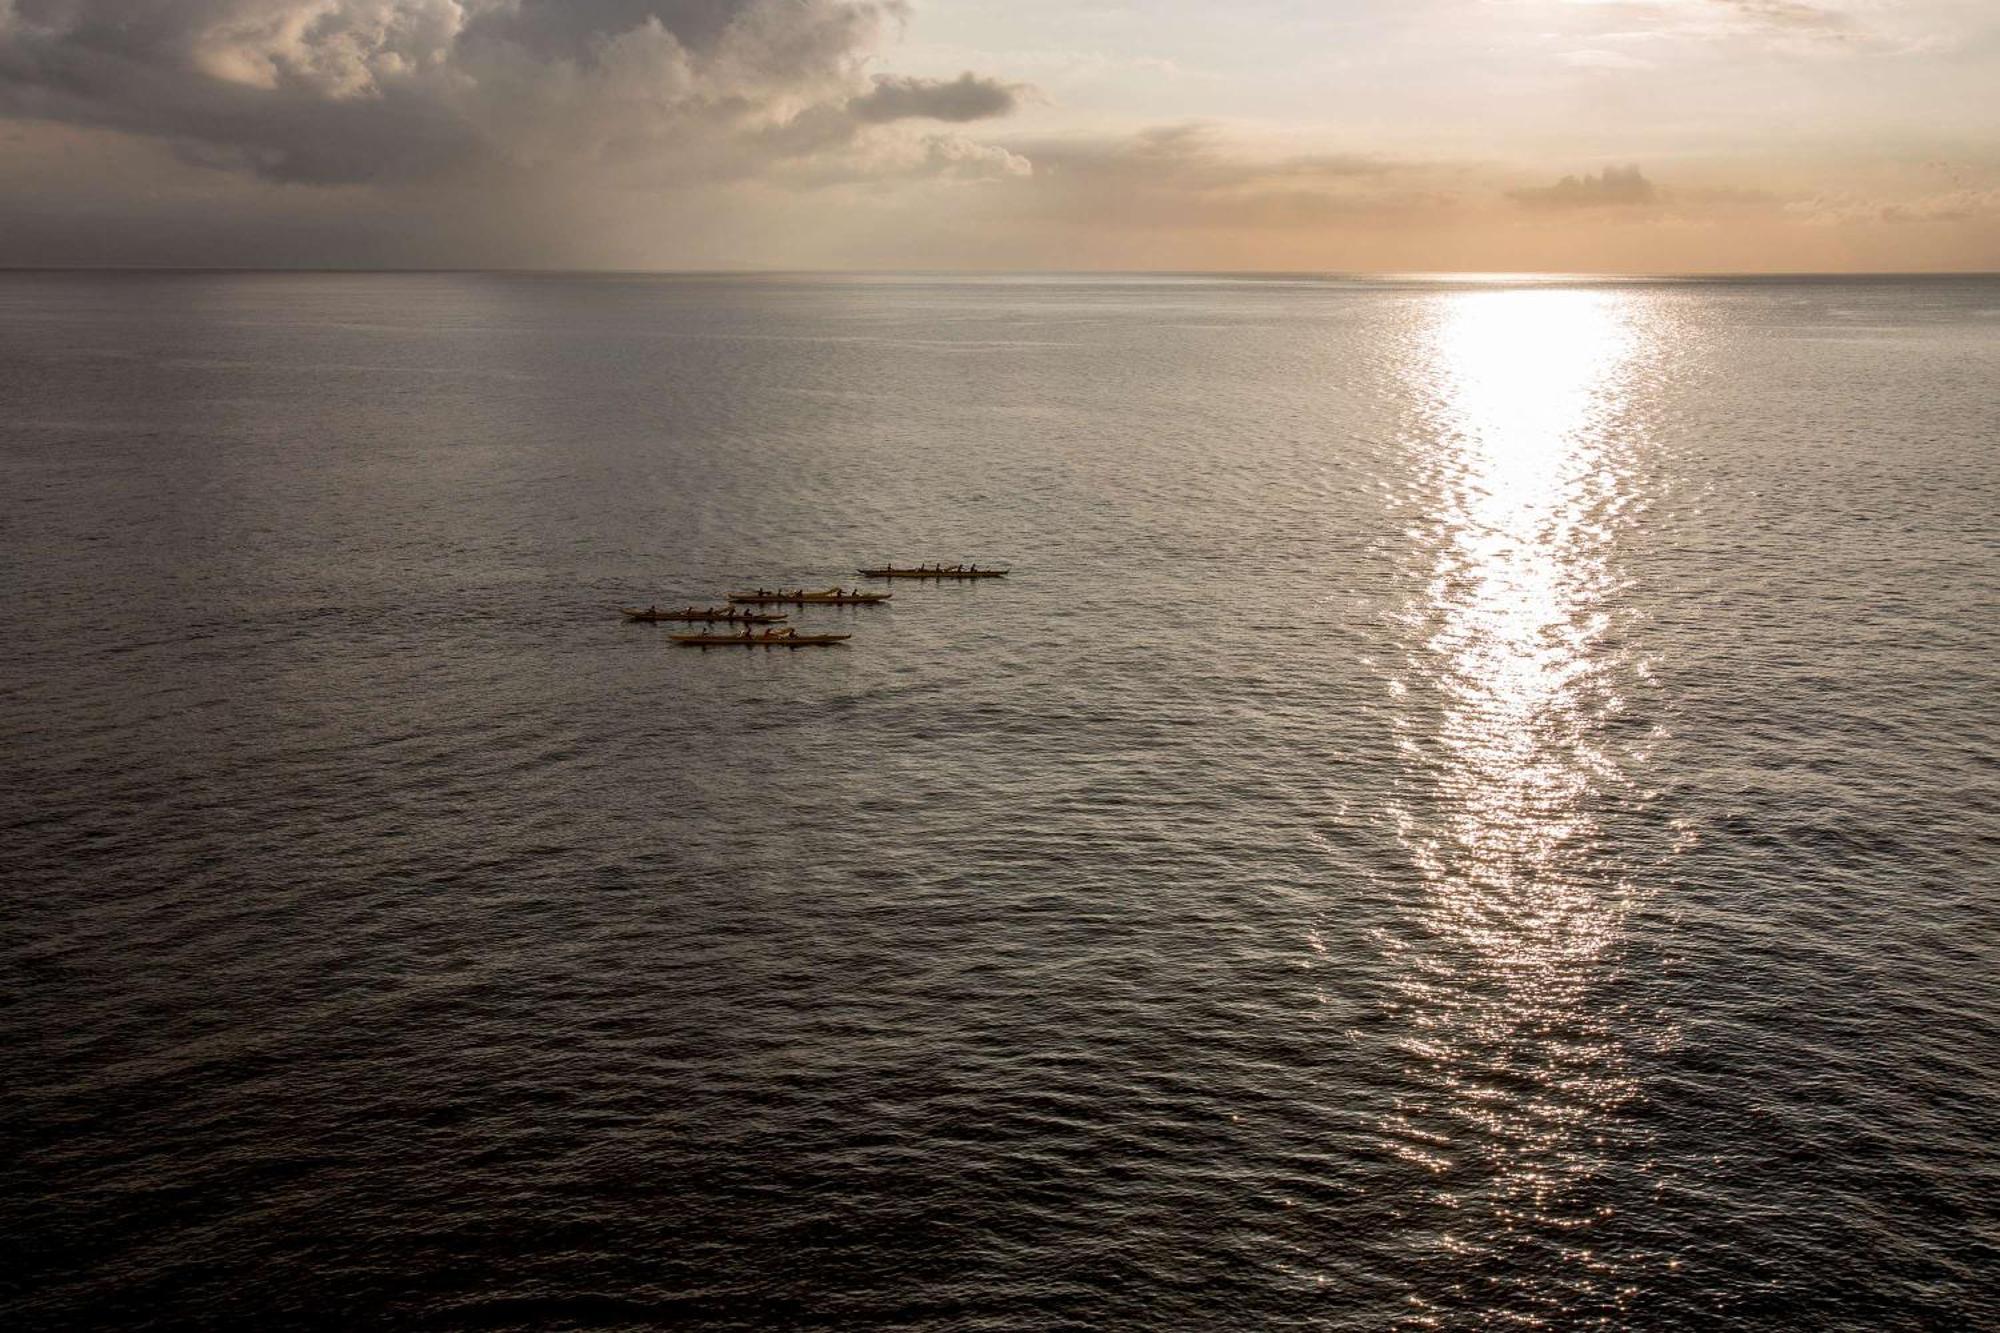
{"x": 1512, "y": 678}
{"x": 1519, "y": 592}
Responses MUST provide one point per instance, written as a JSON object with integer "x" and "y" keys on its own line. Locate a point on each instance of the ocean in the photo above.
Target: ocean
{"x": 1478, "y": 805}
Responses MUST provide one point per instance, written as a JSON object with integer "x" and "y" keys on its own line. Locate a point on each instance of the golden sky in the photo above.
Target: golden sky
{"x": 1429, "y": 135}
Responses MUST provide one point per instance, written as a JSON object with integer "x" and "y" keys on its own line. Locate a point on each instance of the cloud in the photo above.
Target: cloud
{"x": 1614, "y": 187}
{"x": 1190, "y": 176}
{"x": 1795, "y": 14}
{"x": 1947, "y": 207}
{"x": 1789, "y": 27}
{"x": 333, "y": 92}
{"x": 1951, "y": 206}
{"x": 967, "y": 97}
{"x": 1193, "y": 156}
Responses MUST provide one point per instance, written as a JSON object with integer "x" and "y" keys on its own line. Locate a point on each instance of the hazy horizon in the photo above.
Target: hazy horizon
{"x": 1470, "y": 276}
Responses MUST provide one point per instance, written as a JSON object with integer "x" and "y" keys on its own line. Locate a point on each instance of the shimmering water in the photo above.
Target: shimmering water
{"x": 1478, "y": 807}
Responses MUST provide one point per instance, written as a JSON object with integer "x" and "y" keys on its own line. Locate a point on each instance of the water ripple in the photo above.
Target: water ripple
{"x": 1477, "y": 809}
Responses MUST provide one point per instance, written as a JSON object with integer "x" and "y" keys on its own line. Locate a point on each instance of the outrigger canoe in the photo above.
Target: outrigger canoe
{"x": 933, "y": 572}
{"x": 800, "y": 597}
{"x": 770, "y": 638}
{"x": 654, "y": 614}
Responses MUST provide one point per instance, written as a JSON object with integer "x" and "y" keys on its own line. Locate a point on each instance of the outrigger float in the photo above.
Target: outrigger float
{"x": 654, "y": 614}
{"x": 800, "y": 597}
{"x": 934, "y": 572}
{"x": 770, "y": 638}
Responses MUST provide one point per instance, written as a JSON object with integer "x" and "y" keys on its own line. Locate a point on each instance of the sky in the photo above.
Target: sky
{"x": 1617, "y": 136}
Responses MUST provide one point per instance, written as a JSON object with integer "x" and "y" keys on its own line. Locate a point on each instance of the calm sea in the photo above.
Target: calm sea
{"x": 1477, "y": 807}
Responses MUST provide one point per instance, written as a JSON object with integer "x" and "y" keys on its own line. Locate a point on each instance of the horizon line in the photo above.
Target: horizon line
{"x": 1404, "y": 275}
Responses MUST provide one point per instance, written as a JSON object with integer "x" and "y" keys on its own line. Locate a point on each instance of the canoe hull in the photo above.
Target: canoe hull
{"x": 893, "y": 573}
{"x": 735, "y": 617}
{"x": 758, "y": 640}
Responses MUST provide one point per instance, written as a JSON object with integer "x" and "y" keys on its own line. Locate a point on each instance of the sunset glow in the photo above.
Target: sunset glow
{"x": 1540, "y": 135}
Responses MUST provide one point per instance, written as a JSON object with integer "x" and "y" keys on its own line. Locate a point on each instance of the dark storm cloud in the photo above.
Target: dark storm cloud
{"x": 419, "y": 91}
{"x": 967, "y": 97}
{"x": 142, "y": 79}
{"x": 573, "y": 29}
{"x": 1615, "y": 187}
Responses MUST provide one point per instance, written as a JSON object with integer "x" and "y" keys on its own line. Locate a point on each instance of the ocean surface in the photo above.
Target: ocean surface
{"x": 1477, "y": 808}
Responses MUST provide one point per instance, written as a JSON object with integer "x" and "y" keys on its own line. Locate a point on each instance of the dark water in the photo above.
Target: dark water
{"x": 1478, "y": 807}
